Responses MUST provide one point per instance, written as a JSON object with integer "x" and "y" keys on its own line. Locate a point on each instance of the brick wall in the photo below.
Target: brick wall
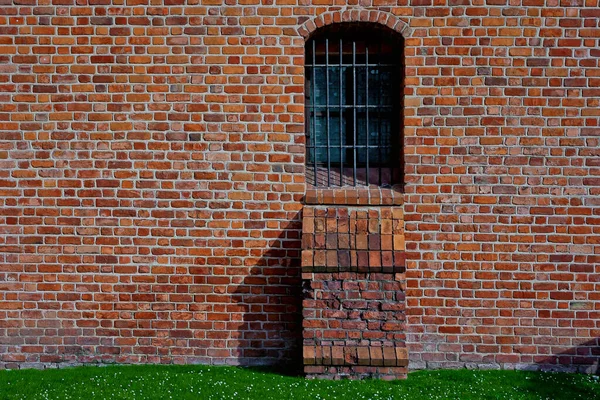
{"x": 502, "y": 198}
{"x": 354, "y": 304}
{"x": 152, "y": 179}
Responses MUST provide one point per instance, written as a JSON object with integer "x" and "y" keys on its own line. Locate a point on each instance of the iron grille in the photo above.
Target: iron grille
{"x": 353, "y": 101}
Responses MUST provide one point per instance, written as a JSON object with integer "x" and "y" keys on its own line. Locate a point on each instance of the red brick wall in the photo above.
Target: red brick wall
{"x": 151, "y": 179}
{"x": 354, "y": 291}
{"x": 502, "y": 203}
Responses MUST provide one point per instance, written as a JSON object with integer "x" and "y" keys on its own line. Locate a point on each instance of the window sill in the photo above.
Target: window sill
{"x": 355, "y": 196}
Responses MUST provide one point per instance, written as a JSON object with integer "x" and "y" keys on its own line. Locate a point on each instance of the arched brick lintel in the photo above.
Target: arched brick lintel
{"x": 354, "y": 15}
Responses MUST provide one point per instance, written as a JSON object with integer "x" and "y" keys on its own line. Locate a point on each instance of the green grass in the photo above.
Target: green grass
{"x": 209, "y": 382}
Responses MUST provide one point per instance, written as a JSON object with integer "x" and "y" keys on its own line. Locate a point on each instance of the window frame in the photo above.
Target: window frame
{"x": 349, "y": 149}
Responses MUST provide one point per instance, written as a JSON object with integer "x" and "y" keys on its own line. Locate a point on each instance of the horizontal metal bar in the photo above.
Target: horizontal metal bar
{"x": 358, "y": 165}
{"x": 350, "y": 65}
{"x": 358, "y": 146}
{"x": 351, "y": 106}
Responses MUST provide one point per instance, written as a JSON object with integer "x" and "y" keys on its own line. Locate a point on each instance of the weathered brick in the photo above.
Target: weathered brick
{"x": 152, "y": 187}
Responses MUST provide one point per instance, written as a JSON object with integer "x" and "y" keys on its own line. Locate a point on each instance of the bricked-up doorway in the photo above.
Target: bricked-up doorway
{"x": 353, "y": 259}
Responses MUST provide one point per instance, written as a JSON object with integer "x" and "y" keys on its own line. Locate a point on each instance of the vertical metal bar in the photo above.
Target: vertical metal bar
{"x": 399, "y": 149}
{"x": 307, "y": 111}
{"x": 397, "y": 165}
{"x": 392, "y": 150}
{"x": 379, "y": 89}
{"x": 367, "y": 108}
{"x": 314, "y": 110}
{"x": 354, "y": 107}
{"x": 341, "y": 117}
{"x": 389, "y": 117}
{"x": 327, "y": 111}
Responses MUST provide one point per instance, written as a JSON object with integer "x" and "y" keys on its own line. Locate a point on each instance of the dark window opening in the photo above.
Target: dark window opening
{"x": 354, "y": 76}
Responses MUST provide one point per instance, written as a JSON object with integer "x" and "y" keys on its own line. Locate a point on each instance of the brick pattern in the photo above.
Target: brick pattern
{"x": 152, "y": 172}
{"x": 151, "y": 167}
{"x": 355, "y": 355}
{"x": 372, "y": 196}
{"x": 349, "y": 311}
{"x": 351, "y": 361}
{"x": 354, "y": 308}
{"x": 340, "y": 239}
{"x": 354, "y": 302}
{"x": 502, "y": 206}
{"x": 370, "y": 371}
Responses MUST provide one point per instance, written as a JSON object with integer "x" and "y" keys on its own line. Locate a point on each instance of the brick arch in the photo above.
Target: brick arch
{"x": 353, "y": 15}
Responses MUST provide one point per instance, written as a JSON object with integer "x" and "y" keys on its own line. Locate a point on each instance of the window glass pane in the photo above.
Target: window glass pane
{"x": 381, "y": 86}
{"x": 319, "y": 124}
{"x": 361, "y": 87}
{"x": 320, "y": 86}
{"x": 374, "y": 156}
{"x": 335, "y": 136}
{"x": 334, "y": 133}
{"x": 361, "y": 127}
{"x": 334, "y": 85}
{"x": 310, "y": 155}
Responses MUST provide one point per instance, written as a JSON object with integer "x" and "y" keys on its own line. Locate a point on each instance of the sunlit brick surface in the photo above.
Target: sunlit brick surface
{"x": 152, "y": 179}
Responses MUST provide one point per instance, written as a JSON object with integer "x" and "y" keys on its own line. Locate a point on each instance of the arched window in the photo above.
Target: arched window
{"x": 354, "y": 78}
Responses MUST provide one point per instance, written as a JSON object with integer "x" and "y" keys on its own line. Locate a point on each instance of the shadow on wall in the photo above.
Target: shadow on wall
{"x": 269, "y": 300}
{"x": 584, "y": 358}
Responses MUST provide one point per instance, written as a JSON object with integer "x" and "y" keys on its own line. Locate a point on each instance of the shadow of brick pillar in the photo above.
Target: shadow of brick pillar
{"x": 354, "y": 288}
{"x": 568, "y": 355}
{"x": 265, "y": 305}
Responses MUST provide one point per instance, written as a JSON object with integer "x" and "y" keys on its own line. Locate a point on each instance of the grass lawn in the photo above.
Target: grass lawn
{"x": 209, "y": 382}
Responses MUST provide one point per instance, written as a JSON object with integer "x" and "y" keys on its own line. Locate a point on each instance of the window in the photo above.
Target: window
{"x": 353, "y": 106}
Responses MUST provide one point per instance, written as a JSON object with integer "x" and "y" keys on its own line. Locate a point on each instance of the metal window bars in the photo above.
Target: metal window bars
{"x": 353, "y": 107}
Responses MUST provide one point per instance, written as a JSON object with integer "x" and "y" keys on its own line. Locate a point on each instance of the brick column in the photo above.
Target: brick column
{"x": 353, "y": 271}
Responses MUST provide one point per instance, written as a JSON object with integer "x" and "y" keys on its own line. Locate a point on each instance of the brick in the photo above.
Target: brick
{"x": 309, "y": 355}
{"x": 337, "y": 355}
{"x": 364, "y": 357}
{"x": 389, "y": 356}
{"x": 401, "y": 356}
{"x": 376, "y": 354}
{"x": 153, "y": 186}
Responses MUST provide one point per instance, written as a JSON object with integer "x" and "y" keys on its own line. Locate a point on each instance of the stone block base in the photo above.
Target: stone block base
{"x": 356, "y": 372}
